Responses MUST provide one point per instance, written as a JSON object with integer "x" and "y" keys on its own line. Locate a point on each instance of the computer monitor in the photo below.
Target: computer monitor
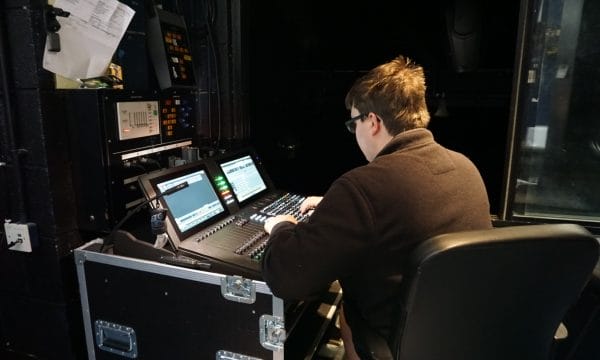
{"x": 243, "y": 174}
{"x": 190, "y": 209}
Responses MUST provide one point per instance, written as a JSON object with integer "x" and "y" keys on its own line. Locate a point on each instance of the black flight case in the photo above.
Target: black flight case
{"x": 143, "y": 309}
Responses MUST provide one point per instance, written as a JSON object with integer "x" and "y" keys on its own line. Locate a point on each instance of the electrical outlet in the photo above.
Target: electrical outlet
{"x": 23, "y": 234}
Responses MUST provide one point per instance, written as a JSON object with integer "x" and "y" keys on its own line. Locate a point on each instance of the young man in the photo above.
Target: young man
{"x": 364, "y": 227}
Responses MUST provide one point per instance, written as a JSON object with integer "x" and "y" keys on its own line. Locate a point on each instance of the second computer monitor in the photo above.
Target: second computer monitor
{"x": 245, "y": 176}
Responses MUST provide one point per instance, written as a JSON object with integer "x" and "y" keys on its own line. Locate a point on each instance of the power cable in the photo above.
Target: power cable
{"x": 10, "y": 130}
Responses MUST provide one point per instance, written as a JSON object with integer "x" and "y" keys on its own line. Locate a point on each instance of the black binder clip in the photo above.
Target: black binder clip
{"x": 52, "y": 26}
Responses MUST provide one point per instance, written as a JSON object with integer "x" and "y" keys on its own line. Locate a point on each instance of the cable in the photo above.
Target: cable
{"x": 147, "y": 160}
{"x": 5, "y": 192}
{"x": 178, "y": 7}
{"x": 13, "y": 243}
{"x": 109, "y": 238}
{"x": 10, "y": 244}
{"x": 20, "y": 354}
{"x": 2, "y": 241}
{"x": 10, "y": 131}
{"x": 134, "y": 164}
{"x": 209, "y": 22}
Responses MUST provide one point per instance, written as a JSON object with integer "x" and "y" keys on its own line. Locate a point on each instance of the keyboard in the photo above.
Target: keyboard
{"x": 287, "y": 204}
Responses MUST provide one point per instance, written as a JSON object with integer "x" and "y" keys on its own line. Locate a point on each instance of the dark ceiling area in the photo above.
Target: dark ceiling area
{"x": 302, "y": 57}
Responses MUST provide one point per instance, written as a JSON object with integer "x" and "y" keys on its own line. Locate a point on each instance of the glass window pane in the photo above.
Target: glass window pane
{"x": 556, "y": 164}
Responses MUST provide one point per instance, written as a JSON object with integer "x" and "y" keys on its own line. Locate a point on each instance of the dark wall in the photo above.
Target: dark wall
{"x": 40, "y": 312}
{"x": 270, "y": 73}
{"x": 39, "y": 304}
{"x": 304, "y": 56}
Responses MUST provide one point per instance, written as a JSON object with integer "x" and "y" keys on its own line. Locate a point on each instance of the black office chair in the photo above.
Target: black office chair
{"x": 492, "y": 294}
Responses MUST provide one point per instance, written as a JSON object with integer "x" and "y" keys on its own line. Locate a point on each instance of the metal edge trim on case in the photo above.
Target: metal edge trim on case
{"x": 80, "y": 259}
{"x": 165, "y": 269}
{"x": 279, "y": 311}
{"x": 228, "y": 355}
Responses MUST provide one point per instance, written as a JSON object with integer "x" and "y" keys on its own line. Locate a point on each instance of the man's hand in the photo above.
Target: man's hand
{"x": 309, "y": 204}
{"x": 270, "y": 222}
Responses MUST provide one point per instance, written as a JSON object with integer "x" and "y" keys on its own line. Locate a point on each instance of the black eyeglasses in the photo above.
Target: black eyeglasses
{"x": 351, "y": 124}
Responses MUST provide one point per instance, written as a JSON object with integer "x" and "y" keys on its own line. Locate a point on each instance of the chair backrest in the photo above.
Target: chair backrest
{"x": 492, "y": 294}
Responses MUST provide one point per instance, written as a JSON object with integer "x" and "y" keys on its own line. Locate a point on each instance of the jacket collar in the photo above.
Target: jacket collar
{"x": 407, "y": 139}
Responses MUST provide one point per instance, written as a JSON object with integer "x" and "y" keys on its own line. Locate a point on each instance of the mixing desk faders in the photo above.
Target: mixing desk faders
{"x": 288, "y": 203}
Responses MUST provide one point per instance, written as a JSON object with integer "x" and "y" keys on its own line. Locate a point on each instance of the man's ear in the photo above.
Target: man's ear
{"x": 375, "y": 124}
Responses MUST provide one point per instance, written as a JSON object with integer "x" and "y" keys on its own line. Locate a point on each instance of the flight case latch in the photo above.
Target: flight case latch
{"x": 272, "y": 332}
{"x": 236, "y": 288}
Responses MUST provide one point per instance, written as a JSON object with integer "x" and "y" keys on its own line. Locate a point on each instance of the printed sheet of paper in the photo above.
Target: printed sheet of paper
{"x": 88, "y": 37}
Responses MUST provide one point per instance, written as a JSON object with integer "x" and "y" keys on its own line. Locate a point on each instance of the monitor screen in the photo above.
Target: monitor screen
{"x": 244, "y": 177}
{"x": 192, "y": 208}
